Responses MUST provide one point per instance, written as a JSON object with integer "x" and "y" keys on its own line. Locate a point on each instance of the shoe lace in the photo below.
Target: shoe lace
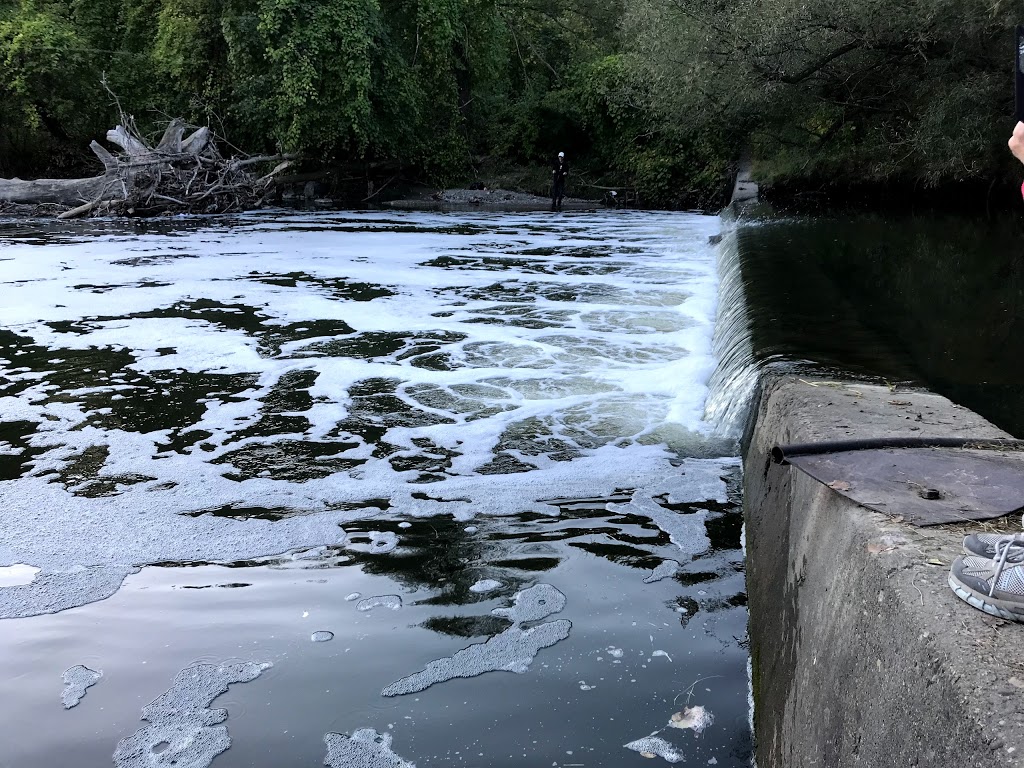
{"x": 1009, "y": 549}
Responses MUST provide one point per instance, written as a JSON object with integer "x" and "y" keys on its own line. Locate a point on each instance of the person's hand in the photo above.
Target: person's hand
{"x": 1017, "y": 142}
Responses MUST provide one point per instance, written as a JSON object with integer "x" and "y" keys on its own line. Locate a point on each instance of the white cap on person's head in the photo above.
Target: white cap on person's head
{"x": 561, "y": 154}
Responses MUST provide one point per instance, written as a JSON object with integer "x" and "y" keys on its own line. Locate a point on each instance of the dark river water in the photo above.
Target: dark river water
{"x": 370, "y": 489}
{"x": 929, "y": 301}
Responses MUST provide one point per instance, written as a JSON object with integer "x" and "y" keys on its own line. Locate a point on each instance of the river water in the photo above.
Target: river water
{"x": 387, "y": 488}
{"x": 923, "y": 300}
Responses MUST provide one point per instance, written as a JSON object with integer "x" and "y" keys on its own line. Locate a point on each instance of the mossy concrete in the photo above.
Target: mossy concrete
{"x": 862, "y": 655}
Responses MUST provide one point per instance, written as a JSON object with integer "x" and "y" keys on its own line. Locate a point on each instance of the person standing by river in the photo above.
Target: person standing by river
{"x": 559, "y": 173}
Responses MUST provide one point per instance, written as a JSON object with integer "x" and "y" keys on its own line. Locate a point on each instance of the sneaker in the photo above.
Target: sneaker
{"x": 995, "y": 586}
{"x": 989, "y": 545}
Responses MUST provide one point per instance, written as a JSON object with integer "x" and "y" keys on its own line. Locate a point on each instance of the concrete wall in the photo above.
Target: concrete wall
{"x": 862, "y": 655}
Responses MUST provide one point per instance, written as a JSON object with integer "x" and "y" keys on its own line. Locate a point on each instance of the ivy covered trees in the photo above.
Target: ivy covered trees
{"x": 662, "y": 94}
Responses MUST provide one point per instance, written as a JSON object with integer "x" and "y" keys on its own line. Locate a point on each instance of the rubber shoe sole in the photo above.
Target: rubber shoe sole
{"x": 974, "y": 592}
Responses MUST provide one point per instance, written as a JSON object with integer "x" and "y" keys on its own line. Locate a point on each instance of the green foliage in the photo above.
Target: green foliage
{"x": 837, "y": 90}
{"x": 657, "y": 94}
{"x": 319, "y": 73}
{"x": 45, "y": 87}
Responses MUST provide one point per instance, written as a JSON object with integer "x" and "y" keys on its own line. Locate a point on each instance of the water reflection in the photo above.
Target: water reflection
{"x": 937, "y": 301}
{"x": 635, "y": 644}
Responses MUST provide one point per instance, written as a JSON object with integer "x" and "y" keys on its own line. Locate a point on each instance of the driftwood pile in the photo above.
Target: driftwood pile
{"x": 181, "y": 174}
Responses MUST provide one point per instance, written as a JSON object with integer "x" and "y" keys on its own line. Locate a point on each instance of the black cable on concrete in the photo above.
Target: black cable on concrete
{"x": 782, "y": 453}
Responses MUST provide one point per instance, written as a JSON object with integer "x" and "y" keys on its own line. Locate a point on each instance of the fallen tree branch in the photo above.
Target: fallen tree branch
{"x": 183, "y": 173}
{"x": 81, "y": 210}
{"x": 262, "y": 159}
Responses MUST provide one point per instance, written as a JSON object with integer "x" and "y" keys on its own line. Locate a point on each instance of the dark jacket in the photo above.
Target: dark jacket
{"x": 560, "y": 168}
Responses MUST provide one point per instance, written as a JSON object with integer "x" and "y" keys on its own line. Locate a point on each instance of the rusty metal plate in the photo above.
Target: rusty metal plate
{"x": 924, "y": 486}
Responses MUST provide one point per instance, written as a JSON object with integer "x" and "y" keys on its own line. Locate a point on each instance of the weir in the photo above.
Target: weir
{"x": 860, "y": 652}
{"x": 732, "y": 385}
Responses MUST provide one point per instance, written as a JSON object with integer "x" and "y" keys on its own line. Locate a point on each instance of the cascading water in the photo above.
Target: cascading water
{"x": 733, "y": 383}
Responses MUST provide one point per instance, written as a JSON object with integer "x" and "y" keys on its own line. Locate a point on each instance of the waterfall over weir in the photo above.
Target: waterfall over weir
{"x": 733, "y": 383}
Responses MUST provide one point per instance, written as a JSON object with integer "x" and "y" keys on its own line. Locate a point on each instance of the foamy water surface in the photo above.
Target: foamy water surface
{"x": 214, "y": 433}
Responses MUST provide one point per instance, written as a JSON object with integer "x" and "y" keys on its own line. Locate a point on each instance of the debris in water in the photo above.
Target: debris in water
{"x": 182, "y": 730}
{"x": 394, "y": 602}
{"x": 365, "y": 748}
{"x": 653, "y": 746}
{"x": 78, "y": 680}
{"x": 665, "y": 569}
{"x": 661, "y": 653}
{"x": 486, "y": 585}
{"x": 322, "y": 636}
{"x": 512, "y": 650}
{"x": 696, "y": 718}
{"x": 353, "y": 596}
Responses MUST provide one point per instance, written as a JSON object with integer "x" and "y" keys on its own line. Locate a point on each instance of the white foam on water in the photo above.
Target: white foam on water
{"x": 655, "y": 746}
{"x": 391, "y": 602}
{"x": 665, "y": 569}
{"x": 696, "y": 718}
{"x": 77, "y": 680}
{"x": 381, "y": 543}
{"x": 181, "y": 728}
{"x": 512, "y": 650}
{"x": 365, "y": 748}
{"x": 485, "y": 585}
{"x": 578, "y": 368}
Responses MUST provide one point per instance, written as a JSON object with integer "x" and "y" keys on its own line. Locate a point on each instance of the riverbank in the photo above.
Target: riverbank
{"x": 486, "y": 200}
{"x": 861, "y": 654}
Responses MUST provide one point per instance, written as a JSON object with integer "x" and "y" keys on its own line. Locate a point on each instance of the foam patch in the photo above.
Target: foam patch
{"x": 655, "y": 746}
{"x": 390, "y": 602}
{"x": 365, "y": 748}
{"x": 665, "y": 569}
{"x": 512, "y": 650}
{"x": 77, "y": 680}
{"x": 51, "y": 592}
{"x": 181, "y": 729}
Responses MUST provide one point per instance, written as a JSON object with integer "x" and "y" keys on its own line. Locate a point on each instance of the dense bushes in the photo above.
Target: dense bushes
{"x": 661, "y": 94}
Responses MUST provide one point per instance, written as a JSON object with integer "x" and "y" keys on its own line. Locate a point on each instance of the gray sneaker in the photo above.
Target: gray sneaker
{"x": 990, "y": 545}
{"x": 995, "y": 586}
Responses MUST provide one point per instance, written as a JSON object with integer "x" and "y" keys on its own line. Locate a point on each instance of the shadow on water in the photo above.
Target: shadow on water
{"x": 932, "y": 301}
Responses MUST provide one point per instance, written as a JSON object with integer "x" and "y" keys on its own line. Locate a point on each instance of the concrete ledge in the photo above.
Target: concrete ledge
{"x": 862, "y": 655}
